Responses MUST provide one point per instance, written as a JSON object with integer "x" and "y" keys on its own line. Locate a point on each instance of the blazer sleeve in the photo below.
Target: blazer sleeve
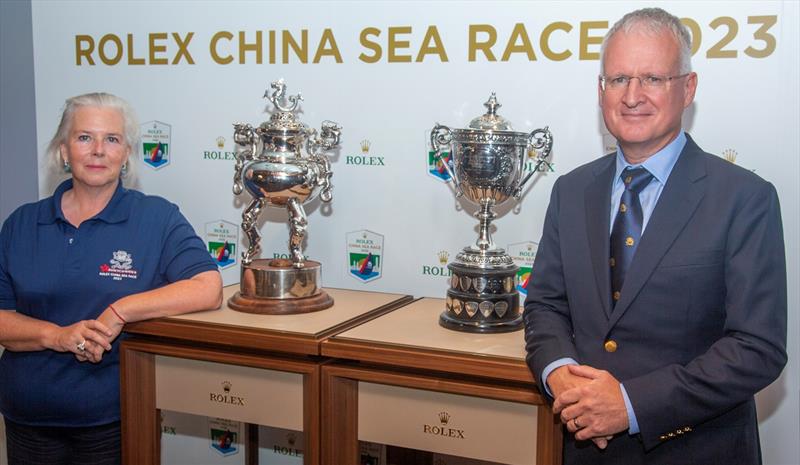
{"x": 548, "y": 328}
{"x": 752, "y": 351}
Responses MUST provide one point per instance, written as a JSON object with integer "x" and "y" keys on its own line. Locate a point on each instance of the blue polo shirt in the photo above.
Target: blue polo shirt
{"x": 50, "y": 270}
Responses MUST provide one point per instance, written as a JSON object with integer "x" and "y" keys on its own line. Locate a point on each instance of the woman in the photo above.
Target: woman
{"x": 74, "y": 268}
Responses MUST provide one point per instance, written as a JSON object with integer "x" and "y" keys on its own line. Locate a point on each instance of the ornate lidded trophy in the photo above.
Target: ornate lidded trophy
{"x": 488, "y": 159}
{"x": 271, "y": 165}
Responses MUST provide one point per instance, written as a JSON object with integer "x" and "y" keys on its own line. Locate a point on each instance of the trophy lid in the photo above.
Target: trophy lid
{"x": 491, "y": 121}
{"x": 283, "y": 120}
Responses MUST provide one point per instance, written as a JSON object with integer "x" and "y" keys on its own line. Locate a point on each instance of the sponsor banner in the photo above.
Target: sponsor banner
{"x": 230, "y": 391}
{"x": 447, "y": 423}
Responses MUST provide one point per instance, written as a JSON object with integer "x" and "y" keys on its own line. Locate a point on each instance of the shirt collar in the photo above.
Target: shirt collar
{"x": 659, "y": 164}
{"x": 117, "y": 210}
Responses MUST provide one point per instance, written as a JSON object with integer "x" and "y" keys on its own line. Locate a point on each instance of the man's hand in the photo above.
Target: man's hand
{"x": 594, "y": 409}
{"x": 562, "y": 380}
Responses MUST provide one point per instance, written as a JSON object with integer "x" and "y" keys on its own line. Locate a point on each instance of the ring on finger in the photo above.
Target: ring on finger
{"x": 82, "y": 345}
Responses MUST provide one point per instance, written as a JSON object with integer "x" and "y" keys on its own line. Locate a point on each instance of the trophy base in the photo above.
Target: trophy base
{"x": 276, "y": 287}
{"x": 482, "y": 300}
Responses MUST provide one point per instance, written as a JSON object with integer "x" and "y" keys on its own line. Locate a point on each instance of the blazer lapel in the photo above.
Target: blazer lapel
{"x": 597, "y": 198}
{"x": 676, "y": 205}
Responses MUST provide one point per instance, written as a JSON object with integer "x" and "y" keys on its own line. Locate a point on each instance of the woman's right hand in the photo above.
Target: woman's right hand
{"x": 87, "y": 339}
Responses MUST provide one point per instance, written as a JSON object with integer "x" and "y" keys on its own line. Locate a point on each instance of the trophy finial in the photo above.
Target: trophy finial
{"x": 278, "y": 97}
{"x": 492, "y": 105}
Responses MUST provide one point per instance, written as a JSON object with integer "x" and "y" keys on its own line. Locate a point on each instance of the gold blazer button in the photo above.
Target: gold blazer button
{"x": 610, "y": 345}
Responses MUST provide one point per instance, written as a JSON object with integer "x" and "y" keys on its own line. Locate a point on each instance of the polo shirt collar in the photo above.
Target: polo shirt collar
{"x": 117, "y": 210}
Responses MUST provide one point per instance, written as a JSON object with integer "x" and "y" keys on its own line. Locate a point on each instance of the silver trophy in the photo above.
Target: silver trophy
{"x": 271, "y": 165}
{"x": 487, "y": 166}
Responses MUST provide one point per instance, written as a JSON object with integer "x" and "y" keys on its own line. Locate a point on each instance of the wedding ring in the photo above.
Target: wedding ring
{"x": 82, "y": 345}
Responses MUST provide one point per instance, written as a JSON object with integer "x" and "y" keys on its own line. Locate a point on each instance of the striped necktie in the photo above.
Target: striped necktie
{"x": 627, "y": 227}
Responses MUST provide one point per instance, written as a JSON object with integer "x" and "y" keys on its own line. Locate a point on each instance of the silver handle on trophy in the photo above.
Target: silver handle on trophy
{"x": 540, "y": 140}
{"x": 244, "y": 136}
{"x": 328, "y": 138}
{"x": 442, "y": 137}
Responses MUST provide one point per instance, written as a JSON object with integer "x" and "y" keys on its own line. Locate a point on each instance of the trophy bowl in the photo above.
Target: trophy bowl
{"x": 488, "y": 159}
{"x": 272, "y": 166}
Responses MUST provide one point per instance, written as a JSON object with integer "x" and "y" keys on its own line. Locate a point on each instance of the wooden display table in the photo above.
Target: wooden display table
{"x": 259, "y": 369}
{"x": 418, "y": 385}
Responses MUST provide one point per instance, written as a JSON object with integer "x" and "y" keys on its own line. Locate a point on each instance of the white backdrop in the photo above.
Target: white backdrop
{"x": 387, "y": 72}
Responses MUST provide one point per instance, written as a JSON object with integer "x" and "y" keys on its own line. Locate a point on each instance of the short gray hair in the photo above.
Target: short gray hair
{"x": 654, "y": 21}
{"x": 101, "y": 100}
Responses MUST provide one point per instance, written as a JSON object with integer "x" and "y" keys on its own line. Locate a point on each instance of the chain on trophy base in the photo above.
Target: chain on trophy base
{"x": 482, "y": 300}
{"x": 276, "y": 287}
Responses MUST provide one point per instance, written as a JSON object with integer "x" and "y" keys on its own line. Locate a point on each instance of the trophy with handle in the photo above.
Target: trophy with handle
{"x": 487, "y": 167}
{"x": 281, "y": 163}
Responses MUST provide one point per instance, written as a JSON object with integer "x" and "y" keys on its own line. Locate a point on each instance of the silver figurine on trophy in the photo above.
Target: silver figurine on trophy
{"x": 488, "y": 159}
{"x": 271, "y": 165}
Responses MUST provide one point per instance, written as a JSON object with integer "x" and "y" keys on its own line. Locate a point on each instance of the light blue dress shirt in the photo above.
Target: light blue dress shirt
{"x": 660, "y": 166}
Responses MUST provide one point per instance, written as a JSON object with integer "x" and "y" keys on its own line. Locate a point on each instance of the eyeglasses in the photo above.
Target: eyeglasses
{"x": 648, "y": 82}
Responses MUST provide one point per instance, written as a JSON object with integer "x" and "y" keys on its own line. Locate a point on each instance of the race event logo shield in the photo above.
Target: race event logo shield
{"x": 436, "y": 165}
{"x": 364, "y": 253}
{"x": 221, "y": 238}
{"x": 523, "y": 254}
{"x": 156, "y": 143}
{"x": 224, "y": 435}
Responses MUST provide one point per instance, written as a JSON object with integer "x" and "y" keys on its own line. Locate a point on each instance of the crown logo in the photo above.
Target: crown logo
{"x": 530, "y": 247}
{"x": 365, "y": 144}
{"x": 291, "y": 439}
{"x": 439, "y": 461}
{"x": 443, "y": 256}
{"x": 220, "y": 142}
{"x": 730, "y": 155}
{"x": 226, "y": 386}
{"x": 444, "y": 418}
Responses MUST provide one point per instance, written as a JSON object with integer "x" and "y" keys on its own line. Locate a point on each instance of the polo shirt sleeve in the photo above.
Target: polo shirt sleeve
{"x": 8, "y": 298}
{"x": 183, "y": 254}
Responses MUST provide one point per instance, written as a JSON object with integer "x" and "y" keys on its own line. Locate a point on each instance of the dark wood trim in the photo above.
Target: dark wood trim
{"x": 339, "y": 408}
{"x": 549, "y": 438}
{"x": 141, "y": 422}
{"x": 241, "y": 337}
{"x": 428, "y": 359}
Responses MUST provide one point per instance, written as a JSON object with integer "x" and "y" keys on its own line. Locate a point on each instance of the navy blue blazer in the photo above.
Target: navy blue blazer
{"x": 701, "y": 323}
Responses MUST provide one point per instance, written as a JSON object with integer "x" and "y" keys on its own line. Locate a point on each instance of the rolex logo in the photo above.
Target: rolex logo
{"x": 443, "y": 256}
{"x": 365, "y": 144}
{"x": 442, "y": 430}
{"x": 730, "y": 155}
{"x": 226, "y": 386}
{"x": 220, "y": 142}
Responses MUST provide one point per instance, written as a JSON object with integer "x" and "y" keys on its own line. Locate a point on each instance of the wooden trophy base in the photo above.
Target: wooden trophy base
{"x": 275, "y": 287}
{"x": 242, "y": 303}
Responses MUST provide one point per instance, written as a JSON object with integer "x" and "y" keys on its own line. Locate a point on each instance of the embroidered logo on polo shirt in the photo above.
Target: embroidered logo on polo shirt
{"x": 121, "y": 266}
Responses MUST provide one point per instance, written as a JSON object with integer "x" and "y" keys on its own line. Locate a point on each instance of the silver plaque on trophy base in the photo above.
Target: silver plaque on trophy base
{"x": 281, "y": 163}
{"x": 488, "y": 158}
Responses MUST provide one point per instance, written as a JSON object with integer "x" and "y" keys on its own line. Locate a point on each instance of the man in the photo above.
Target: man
{"x": 659, "y": 304}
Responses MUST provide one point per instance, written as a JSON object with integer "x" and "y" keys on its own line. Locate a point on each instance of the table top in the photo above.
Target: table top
{"x": 301, "y": 333}
{"x": 412, "y": 337}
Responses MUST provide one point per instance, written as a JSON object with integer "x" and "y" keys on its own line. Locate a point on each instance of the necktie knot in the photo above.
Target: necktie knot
{"x": 636, "y": 179}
